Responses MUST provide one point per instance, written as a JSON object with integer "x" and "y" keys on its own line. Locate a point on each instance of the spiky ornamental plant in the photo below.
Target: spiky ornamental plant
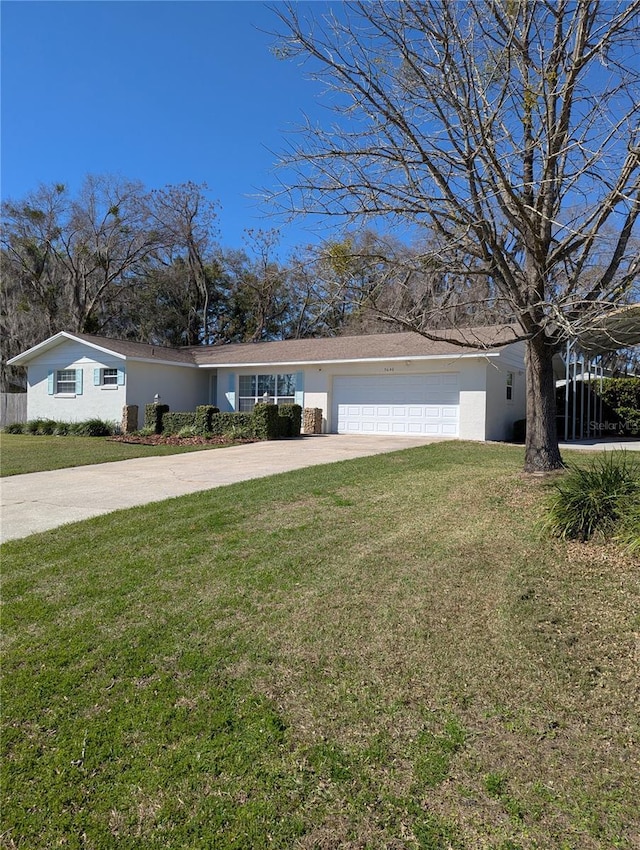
{"x": 595, "y": 500}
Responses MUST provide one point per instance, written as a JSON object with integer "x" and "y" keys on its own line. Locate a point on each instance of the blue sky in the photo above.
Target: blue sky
{"x": 161, "y": 91}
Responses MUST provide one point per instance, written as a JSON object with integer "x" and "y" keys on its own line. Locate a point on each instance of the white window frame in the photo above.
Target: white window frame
{"x": 246, "y": 402}
{"x": 61, "y": 384}
{"x": 65, "y": 385}
{"x": 510, "y": 386}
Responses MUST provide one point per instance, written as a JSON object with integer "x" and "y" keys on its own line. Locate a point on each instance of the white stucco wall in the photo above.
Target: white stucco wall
{"x": 181, "y": 387}
{"x": 473, "y": 387}
{"x": 501, "y": 412}
{"x": 95, "y": 402}
{"x": 318, "y": 385}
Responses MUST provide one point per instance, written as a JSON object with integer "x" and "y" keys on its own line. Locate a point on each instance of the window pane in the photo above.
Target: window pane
{"x": 246, "y": 405}
{"x": 109, "y": 376}
{"x": 247, "y": 385}
{"x": 66, "y": 381}
{"x": 286, "y": 385}
{"x": 284, "y": 399}
{"x": 266, "y": 384}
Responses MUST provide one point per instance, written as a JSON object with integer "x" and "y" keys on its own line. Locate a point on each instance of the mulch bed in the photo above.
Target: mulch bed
{"x": 161, "y": 440}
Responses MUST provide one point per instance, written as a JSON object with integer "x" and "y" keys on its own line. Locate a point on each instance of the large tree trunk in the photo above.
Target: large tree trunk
{"x": 541, "y": 448}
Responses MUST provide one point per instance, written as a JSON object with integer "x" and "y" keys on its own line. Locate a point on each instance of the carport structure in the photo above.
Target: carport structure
{"x": 584, "y": 368}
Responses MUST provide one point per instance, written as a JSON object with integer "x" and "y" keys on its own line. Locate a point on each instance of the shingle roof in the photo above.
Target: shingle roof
{"x": 327, "y": 350}
{"x": 347, "y": 348}
{"x": 140, "y": 350}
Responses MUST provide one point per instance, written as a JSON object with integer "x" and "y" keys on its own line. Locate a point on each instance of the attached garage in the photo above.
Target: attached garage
{"x": 397, "y": 404}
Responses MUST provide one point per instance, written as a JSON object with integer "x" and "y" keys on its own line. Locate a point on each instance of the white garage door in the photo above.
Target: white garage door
{"x": 397, "y": 404}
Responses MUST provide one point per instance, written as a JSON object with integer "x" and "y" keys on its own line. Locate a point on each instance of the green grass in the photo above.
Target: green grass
{"x": 25, "y": 453}
{"x": 381, "y": 653}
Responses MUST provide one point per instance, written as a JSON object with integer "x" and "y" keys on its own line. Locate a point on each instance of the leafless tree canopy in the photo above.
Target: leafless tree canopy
{"x": 507, "y": 130}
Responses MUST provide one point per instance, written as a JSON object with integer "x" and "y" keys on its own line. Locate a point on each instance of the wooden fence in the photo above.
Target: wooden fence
{"x": 13, "y": 408}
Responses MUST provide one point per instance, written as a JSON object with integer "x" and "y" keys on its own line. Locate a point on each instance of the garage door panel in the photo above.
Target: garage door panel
{"x": 415, "y": 404}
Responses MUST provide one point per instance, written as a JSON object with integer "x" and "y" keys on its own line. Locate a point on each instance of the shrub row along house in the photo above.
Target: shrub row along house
{"x": 395, "y": 383}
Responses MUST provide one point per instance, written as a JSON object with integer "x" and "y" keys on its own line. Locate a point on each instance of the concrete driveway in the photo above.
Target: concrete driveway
{"x": 42, "y": 500}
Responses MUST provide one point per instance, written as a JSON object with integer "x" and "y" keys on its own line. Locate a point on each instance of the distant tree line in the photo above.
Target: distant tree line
{"x": 126, "y": 262}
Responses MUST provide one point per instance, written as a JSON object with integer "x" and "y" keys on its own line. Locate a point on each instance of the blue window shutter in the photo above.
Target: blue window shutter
{"x": 51, "y": 382}
{"x": 300, "y": 388}
{"x": 121, "y": 377}
{"x": 78, "y": 381}
{"x": 96, "y": 377}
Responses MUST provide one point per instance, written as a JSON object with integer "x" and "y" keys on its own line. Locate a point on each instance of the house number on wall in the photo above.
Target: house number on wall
{"x": 389, "y": 369}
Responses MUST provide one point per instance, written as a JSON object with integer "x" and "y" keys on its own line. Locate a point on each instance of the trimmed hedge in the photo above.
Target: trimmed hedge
{"x": 174, "y": 422}
{"x": 228, "y": 423}
{"x": 204, "y": 414}
{"x": 266, "y": 422}
{"x": 290, "y": 416}
{"x": 153, "y": 415}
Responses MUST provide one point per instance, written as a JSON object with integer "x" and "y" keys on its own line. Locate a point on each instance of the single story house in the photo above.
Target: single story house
{"x": 392, "y": 383}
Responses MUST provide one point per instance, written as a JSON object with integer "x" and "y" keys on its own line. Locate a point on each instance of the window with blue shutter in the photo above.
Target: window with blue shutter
{"x": 64, "y": 382}
{"x": 108, "y": 377}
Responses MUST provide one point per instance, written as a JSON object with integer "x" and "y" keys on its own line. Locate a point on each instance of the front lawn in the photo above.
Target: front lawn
{"x": 20, "y": 453}
{"x": 381, "y": 653}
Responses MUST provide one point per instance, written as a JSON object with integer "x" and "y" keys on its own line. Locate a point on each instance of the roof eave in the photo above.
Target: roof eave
{"x": 157, "y": 361}
{"x": 46, "y": 345}
{"x": 400, "y": 359}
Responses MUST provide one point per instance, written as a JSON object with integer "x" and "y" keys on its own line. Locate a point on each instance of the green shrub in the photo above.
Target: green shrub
{"x": 629, "y": 526}
{"x": 41, "y": 427}
{"x": 290, "y": 420}
{"x": 240, "y": 432}
{"x": 189, "y": 431}
{"x": 266, "y": 425}
{"x": 620, "y": 392}
{"x": 63, "y": 429}
{"x": 153, "y": 416}
{"x": 629, "y": 420}
{"x": 204, "y": 413}
{"x": 14, "y": 428}
{"x": 172, "y": 423}
{"x": 145, "y": 432}
{"x": 622, "y": 398}
{"x": 228, "y": 423}
{"x": 94, "y": 428}
{"x": 593, "y": 500}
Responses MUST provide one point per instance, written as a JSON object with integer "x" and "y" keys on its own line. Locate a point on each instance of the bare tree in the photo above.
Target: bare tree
{"x": 508, "y": 129}
{"x": 73, "y": 255}
{"x": 258, "y": 297}
{"x": 185, "y": 222}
